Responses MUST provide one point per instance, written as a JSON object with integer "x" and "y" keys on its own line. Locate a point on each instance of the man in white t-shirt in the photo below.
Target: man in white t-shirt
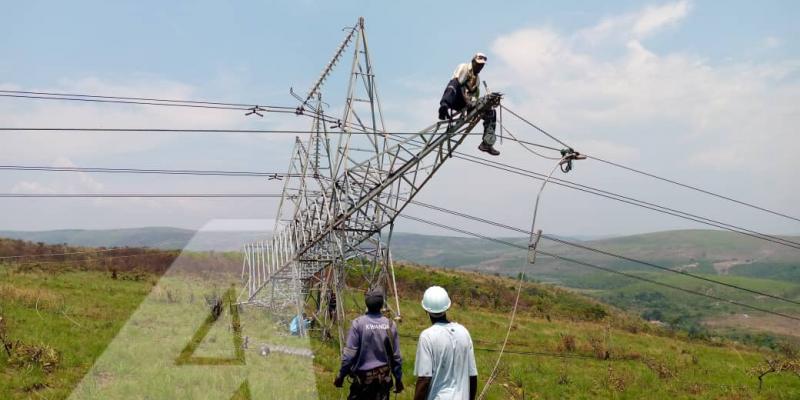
{"x": 445, "y": 363}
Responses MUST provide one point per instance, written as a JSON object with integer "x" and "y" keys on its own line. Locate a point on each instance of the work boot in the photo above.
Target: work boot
{"x": 442, "y": 113}
{"x": 488, "y": 149}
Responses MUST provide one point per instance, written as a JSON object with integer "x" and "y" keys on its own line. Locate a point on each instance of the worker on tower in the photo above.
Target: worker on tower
{"x": 445, "y": 365}
{"x": 372, "y": 354}
{"x": 462, "y": 94}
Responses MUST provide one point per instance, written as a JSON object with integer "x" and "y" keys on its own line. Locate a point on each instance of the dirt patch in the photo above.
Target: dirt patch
{"x": 685, "y": 267}
{"x": 772, "y": 324}
{"x": 722, "y": 267}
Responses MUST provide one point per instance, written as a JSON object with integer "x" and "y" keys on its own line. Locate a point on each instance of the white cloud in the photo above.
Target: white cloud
{"x": 137, "y": 150}
{"x": 32, "y": 187}
{"x": 635, "y": 25}
{"x": 726, "y": 125}
{"x": 710, "y": 110}
{"x": 44, "y": 147}
{"x": 78, "y": 182}
{"x": 85, "y": 181}
{"x": 604, "y": 89}
{"x": 772, "y": 42}
{"x": 654, "y": 18}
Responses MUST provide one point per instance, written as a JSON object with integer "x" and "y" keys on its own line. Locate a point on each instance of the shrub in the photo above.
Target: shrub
{"x": 775, "y": 366}
{"x": 25, "y": 355}
{"x": 3, "y": 337}
{"x": 661, "y": 369}
{"x": 567, "y": 343}
{"x": 615, "y": 381}
{"x": 595, "y": 312}
{"x": 599, "y": 346}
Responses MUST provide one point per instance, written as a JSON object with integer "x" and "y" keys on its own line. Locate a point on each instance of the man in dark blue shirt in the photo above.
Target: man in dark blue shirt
{"x": 372, "y": 354}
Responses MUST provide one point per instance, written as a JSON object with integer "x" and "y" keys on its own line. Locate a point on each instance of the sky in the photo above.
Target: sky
{"x": 703, "y": 92}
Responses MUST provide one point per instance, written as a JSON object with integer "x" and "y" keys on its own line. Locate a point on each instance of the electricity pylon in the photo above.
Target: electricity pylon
{"x": 338, "y": 211}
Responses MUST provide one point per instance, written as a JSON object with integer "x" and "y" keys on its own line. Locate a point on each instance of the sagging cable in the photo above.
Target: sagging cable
{"x": 534, "y": 241}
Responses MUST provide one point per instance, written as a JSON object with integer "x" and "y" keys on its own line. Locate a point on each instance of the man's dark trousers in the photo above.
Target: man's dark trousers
{"x": 375, "y": 384}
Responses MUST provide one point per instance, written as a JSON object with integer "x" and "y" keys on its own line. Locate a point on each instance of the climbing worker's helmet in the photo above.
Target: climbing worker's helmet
{"x": 435, "y": 300}
{"x": 479, "y": 58}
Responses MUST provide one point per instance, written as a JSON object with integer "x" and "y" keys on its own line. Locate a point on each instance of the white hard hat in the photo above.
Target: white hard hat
{"x": 435, "y": 300}
{"x": 479, "y": 58}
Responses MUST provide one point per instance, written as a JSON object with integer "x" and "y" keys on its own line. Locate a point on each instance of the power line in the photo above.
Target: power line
{"x": 606, "y": 253}
{"x": 626, "y": 199}
{"x": 493, "y": 164}
{"x": 524, "y": 146}
{"x": 629, "y": 200}
{"x": 632, "y": 201}
{"x": 611, "y": 195}
{"x": 248, "y": 105}
{"x": 613, "y": 271}
{"x": 143, "y": 195}
{"x": 196, "y": 104}
{"x": 440, "y": 209}
{"x": 697, "y": 189}
{"x": 272, "y": 175}
{"x": 536, "y": 127}
{"x": 498, "y": 165}
{"x": 679, "y": 272}
{"x": 287, "y": 109}
{"x": 221, "y": 130}
{"x": 654, "y": 176}
{"x": 145, "y": 101}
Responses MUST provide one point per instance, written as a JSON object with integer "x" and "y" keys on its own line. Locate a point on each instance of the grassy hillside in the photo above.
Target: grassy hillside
{"x": 719, "y": 252}
{"x": 692, "y": 313}
{"x": 718, "y": 255}
{"x": 154, "y": 237}
{"x": 123, "y": 336}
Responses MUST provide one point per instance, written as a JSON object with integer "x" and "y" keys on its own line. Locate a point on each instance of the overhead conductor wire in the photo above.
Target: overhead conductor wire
{"x": 610, "y": 270}
{"x": 327, "y": 118}
{"x": 621, "y": 198}
{"x": 603, "y": 252}
{"x": 654, "y": 176}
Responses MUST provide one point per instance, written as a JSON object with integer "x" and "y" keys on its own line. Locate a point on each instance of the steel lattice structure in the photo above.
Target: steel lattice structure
{"x": 340, "y": 201}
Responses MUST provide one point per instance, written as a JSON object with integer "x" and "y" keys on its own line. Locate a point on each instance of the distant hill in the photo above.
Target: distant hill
{"x": 704, "y": 251}
{"x": 154, "y": 237}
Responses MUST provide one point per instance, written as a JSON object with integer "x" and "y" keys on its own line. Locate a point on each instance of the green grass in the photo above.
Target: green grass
{"x": 689, "y": 311}
{"x": 120, "y": 339}
{"x": 78, "y": 311}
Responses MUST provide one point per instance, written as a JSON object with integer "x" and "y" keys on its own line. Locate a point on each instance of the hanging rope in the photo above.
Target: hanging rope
{"x": 493, "y": 374}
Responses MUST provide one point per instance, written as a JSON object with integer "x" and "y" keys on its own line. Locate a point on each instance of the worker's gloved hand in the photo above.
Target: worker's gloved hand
{"x": 338, "y": 382}
{"x": 398, "y": 386}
